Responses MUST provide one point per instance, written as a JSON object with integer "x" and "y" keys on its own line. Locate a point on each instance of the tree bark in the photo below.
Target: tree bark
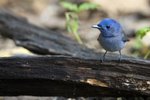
{"x": 72, "y": 77}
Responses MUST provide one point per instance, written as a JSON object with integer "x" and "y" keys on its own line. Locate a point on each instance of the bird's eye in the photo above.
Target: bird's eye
{"x": 107, "y": 27}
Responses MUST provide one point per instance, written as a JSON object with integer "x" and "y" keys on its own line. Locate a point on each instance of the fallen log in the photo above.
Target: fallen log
{"x": 72, "y": 77}
{"x": 39, "y": 40}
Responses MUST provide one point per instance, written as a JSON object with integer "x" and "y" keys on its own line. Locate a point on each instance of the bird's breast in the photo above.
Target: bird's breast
{"x": 111, "y": 43}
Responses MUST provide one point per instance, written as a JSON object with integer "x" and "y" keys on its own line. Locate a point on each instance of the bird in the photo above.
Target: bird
{"x": 112, "y": 36}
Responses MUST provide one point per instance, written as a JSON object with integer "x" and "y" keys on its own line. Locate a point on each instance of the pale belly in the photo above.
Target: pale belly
{"x": 111, "y": 44}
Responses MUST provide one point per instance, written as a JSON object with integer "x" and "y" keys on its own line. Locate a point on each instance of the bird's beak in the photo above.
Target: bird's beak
{"x": 96, "y": 26}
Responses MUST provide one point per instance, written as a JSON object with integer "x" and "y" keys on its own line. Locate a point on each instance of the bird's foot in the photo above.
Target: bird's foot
{"x": 119, "y": 60}
{"x": 120, "y": 57}
{"x": 102, "y": 60}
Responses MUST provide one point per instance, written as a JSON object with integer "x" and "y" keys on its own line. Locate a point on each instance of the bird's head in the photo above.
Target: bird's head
{"x": 109, "y": 27}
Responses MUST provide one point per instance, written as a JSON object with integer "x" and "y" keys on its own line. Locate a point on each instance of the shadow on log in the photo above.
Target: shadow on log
{"x": 72, "y": 77}
{"x": 77, "y": 73}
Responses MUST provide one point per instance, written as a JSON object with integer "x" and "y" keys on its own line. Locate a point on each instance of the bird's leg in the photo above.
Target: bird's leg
{"x": 104, "y": 56}
{"x": 120, "y": 56}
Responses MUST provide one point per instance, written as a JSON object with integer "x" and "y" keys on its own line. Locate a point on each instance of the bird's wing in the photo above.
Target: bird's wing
{"x": 124, "y": 37}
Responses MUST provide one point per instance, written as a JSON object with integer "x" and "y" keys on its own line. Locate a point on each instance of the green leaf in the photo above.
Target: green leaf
{"x": 75, "y": 26}
{"x": 138, "y": 44}
{"x": 78, "y": 38}
{"x": 87, "y": 6}
{"x": 147, "y": 55}
{"x": 142, "y": 32}
{"x": 67, "y": 15}
{"x": 70, "y": 6}
{"x": 71, "y": 22}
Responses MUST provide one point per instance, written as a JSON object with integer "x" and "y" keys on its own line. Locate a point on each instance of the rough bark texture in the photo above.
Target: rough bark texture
{"x": 69, "y": 76}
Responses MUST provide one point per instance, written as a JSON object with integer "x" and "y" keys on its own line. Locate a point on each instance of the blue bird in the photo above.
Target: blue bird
{"x": 112, "y": 37}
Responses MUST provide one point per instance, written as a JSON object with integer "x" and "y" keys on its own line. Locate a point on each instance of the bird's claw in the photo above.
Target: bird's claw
{"x": 119, "y": 60}
{"x": 102, "y": 60}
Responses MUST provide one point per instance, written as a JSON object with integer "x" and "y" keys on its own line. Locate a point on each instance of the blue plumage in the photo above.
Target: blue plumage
{"x": 112, "y": 37}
